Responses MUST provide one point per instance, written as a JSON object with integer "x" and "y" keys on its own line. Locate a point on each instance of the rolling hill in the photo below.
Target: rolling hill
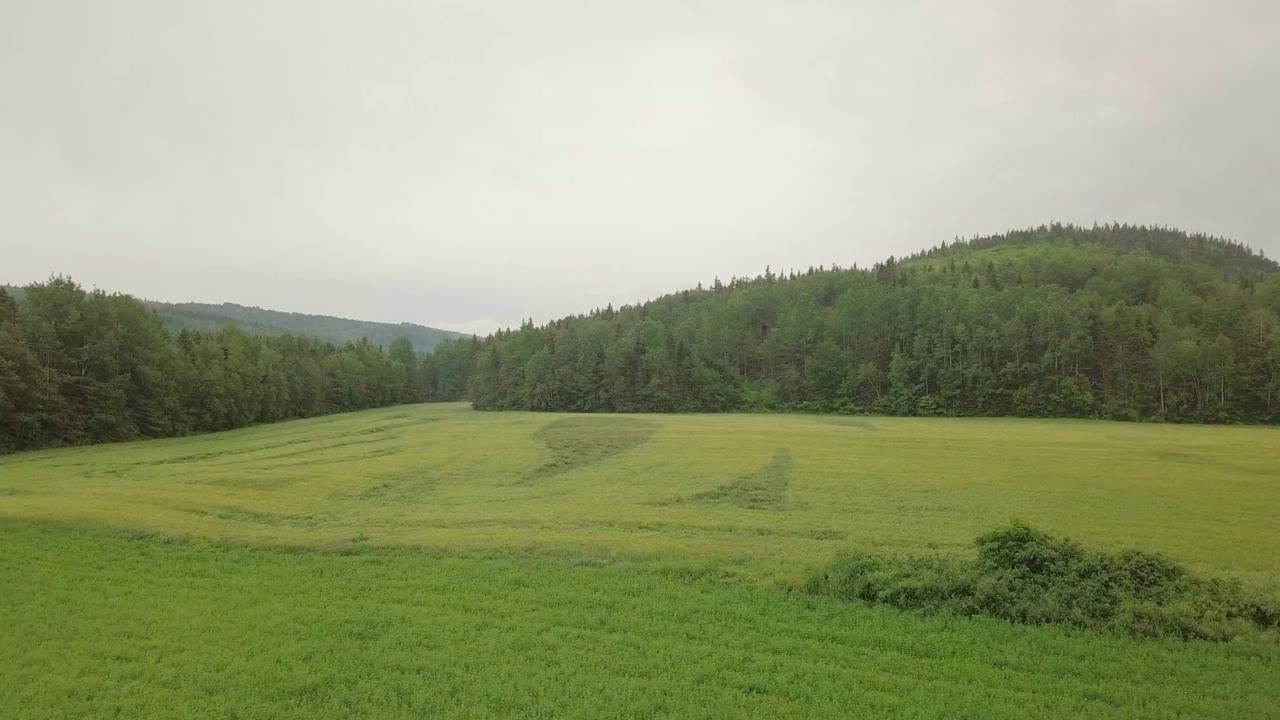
{"x": 339, "y": 331}
{"x": 1116, "y": 321}
{"x": 207, "y": 317}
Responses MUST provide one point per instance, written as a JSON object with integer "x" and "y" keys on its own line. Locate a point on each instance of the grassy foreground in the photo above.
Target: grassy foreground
{"x": 430, "y": 560}
{"x": 104, "y": 626}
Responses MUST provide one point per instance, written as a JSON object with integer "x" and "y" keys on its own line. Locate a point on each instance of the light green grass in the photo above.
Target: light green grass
{"x": 768, "y": 497}
{"x": 430, "y": 560}
{"x": 103, "y": 626}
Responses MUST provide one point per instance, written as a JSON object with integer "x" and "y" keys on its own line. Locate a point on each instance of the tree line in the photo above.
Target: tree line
{"x": 1116, "y": 321}
{"x": 80, "y": 367}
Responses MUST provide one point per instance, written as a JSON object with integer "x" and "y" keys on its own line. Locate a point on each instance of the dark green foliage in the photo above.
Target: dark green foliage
{"x": 1117, "y": 321}
{"x": 28, "y": 407}
{"x": 81, "y": 367}
{"x": 573, "y": 443}
{"x": 444, "y": 373}
{"x": 206, "y": 318}
{"x": 1023, "y": 575}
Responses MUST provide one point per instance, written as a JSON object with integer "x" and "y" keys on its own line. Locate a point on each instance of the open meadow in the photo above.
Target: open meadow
{"x": 432, "y": 560}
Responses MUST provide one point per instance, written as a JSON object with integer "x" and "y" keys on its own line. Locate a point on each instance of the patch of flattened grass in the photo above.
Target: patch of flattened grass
{"x": 295, "y": 446}
{"x": 1178, "y": 457}
{"x": 349, "y": 458}
{"x": 764, "y": 489}
{"x": 577, "y": 442}
{"x": 407, "y": 486}
{"x": 254, "y": 517}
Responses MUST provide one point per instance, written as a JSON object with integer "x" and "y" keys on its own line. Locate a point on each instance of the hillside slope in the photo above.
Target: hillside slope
{"x": 339, "y": 331}
{"x": 1116, "y": 321}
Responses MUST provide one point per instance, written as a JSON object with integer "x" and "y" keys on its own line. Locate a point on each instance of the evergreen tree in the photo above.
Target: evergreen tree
{"x": 83, "y": 367}
{"x": 1115, "y": 321}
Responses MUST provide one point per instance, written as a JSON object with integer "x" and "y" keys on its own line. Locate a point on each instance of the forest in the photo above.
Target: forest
{"x": 256, "y": 321}
{"x": 79, "y": 367}
{"x": 339, "y": 331}
{"x": 1115, "y": 321}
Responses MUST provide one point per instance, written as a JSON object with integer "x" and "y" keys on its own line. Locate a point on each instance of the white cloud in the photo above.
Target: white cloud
{"x": 481, "y": 327}
{"x": 398, "y": 160}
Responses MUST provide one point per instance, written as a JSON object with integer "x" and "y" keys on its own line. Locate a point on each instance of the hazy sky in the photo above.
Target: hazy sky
{"x": 466, "y": 164}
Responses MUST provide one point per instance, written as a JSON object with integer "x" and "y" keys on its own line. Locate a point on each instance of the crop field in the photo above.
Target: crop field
{"x": 430, "y": 560}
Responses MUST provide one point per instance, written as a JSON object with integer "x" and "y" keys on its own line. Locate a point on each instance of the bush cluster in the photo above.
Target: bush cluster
{"x": 1023, "y": 575}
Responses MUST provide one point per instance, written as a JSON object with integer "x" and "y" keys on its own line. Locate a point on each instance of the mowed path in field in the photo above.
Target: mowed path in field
{"x": 766, "y": 497}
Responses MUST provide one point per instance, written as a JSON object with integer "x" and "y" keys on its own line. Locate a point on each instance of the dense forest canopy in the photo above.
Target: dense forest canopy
{"x": 1115, "y": 321}
{"x": 211, "y": 318}
{"x": 81, "y": 367}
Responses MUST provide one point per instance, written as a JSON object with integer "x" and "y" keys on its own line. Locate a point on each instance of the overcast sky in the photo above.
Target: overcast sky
{"x": 467, "y": 164}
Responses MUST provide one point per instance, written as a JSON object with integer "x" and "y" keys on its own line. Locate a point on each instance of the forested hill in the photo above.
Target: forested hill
{"x": 1236, "y": 261}
{"x": 81, "y": 367}
{"x": 1115, "y": 321}
{"x": 339, "y": 331}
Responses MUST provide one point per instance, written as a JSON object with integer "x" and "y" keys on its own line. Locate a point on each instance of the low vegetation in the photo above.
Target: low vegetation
{"x": 1026, "y": 576}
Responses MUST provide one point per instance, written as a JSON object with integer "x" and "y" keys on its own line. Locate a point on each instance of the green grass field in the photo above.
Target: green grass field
{"x": 431, "y": 560}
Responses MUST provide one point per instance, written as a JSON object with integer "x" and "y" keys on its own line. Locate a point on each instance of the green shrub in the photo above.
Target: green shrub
{"x": 1023, "y": 575}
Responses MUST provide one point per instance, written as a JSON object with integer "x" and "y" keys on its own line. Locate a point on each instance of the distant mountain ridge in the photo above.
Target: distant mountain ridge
{"x": 1117, "y": 321}
{"x": 201, "y": 316}
{"x": 206, "y": 317}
